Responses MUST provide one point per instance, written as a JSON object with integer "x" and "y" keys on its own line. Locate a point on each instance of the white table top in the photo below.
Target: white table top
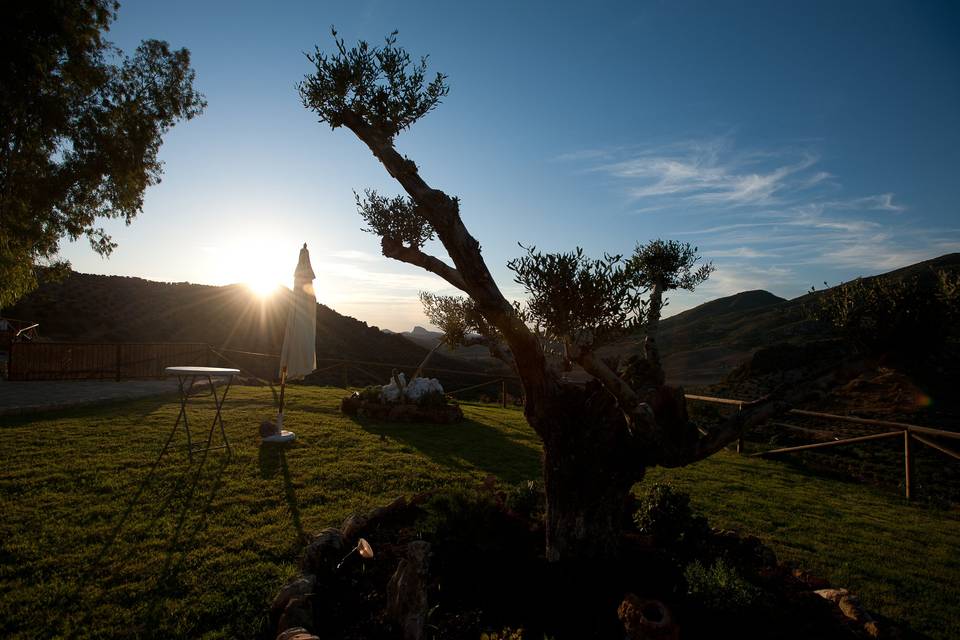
{"x": 201, "y": 371}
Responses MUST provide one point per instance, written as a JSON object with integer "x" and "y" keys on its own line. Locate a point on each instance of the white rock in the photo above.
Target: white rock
{"x": 420, "y": 387}
{"x": 390, "y": 392}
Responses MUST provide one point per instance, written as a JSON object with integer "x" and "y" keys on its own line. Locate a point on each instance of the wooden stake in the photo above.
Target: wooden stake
{"x": 503, "y": 394}
{"x": 907, "y": 463}
{"x": 283, "y": 385}
{"x": 740, "y": 439}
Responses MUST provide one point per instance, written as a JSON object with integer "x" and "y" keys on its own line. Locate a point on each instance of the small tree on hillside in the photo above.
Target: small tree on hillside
{"x": 598, "y": 439}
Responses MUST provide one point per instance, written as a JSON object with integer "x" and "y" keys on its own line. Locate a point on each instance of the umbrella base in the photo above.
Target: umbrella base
{"x": 283, "y": 436}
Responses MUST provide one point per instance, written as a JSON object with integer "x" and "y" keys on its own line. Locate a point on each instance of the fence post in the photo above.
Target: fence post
{"x": 907, "y": 463}
{"x": 503, "y": 393}
{"x": 740, "y": 439}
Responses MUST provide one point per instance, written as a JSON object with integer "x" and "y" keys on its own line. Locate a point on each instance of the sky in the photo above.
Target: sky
{"x": 792, "y": 143}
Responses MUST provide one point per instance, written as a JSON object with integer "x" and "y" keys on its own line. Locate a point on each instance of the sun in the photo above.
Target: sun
{"x": 261, "y": 286}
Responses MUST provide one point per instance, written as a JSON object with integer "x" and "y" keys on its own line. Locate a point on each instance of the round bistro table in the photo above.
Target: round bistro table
{"x": 186, "y": 376}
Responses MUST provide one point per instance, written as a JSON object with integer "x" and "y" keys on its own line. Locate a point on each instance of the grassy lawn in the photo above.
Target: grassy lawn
{"x": 97, "y": 539}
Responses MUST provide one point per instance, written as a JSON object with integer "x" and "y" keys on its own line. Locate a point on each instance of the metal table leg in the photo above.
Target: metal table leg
{"x": 217, "y": 419}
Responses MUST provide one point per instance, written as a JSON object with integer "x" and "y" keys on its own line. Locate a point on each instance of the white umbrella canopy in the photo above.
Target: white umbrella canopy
{"x": 298, "y": 357}
{"x": 299, "y": 354}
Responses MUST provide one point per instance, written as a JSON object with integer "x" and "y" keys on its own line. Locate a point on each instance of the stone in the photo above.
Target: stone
{"x": 419, "y": 387}
{"x": 324, "y": 551}
{"x": 645, "y": 619}
{"x": 297, "y": 633}
{"x": 268, "y": 428}
{"x": 850, "y": 606}
{"x": 833, "y": 595}
{"x": 378, "y": 515}
{"x": 354, "y": 526}
{"x": 297, "y": 614}
{"x": 299, "y": 587}
{"x": 391, "y": 392}
{"x": 407, "y": 591}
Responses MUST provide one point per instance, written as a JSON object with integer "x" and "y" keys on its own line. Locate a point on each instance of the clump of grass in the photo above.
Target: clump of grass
{"x": 720, "y": 587}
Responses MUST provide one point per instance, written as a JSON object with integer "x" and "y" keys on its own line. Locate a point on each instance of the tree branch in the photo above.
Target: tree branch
{"x": 733, "y": 428}
{"x": 443, "y": 214}
{"x": 494, "y": 347}
{"x": 411, "y": 255}
{"x": 639, "y": 415}
{"x": 756, "y": 412}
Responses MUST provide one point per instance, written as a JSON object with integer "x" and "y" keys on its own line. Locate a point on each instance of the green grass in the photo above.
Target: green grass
{"x": 96, "y": 540}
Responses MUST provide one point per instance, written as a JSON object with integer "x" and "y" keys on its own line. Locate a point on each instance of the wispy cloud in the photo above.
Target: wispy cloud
{"x": 708, "y": 172}
{"x": 777, "y": 218}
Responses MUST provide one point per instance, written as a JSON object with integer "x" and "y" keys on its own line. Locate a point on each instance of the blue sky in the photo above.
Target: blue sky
{"x": 793, "y": 143}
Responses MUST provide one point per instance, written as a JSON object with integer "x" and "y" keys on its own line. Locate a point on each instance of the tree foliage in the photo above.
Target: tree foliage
{"x": 893, "y": 315}
{"x": 80, "y": 129}
{"x": 381, "y": 85}
{"x": 578, "y": 299}
{"x": 394, "y": 219}
{"x": 670, "y": 264}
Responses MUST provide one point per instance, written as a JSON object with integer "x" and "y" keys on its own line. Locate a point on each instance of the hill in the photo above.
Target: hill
{"x": 702, "y": 345}
{"x": 478, "y": 354}
{"x": 95, "y": 308}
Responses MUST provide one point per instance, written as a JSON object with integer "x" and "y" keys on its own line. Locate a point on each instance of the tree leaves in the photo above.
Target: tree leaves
{"x": 394, "y": 219}
{"x": 383, "y": 86}
{"x": 79, "y": 134}
{"x": 670, "y": 264}
{"x": 576, "y": 299}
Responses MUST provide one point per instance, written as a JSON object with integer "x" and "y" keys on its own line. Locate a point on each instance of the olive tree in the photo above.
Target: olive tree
{"x": 598, "y": 438}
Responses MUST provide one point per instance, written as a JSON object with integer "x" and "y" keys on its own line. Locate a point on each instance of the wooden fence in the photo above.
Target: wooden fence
{"x": 909, "y": 433}
{"x": 73, "y": 360}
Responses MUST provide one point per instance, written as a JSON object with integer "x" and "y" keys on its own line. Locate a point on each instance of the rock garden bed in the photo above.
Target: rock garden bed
{"x": 420, "y": 400}
{"x": 469, "y": 564}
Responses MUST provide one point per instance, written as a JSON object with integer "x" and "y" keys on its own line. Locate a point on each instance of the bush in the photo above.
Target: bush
{"x": 371, "y": 393}
{"x": 527, "y": 499}
{"x": 432, "y": 399}
{"x": 665, "y": 514}
{"x": 892, "y": 315}
{"x": 458, "y": 517}
{"x": 720, "y": 587}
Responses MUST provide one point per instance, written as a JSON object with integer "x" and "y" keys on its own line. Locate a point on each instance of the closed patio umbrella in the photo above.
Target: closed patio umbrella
{"x": 298, "y": 357}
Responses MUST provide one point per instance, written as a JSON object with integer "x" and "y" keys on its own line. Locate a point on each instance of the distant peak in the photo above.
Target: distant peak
{"x": 419, "y": 330}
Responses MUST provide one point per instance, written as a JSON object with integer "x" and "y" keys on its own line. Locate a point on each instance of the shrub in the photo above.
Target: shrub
{"x": 458, "y": 517}
{"x": 892, "y": 315}
{"x": 371, "y": 393}
{"x": 527, "y": 499}
{"x": 432, "y": 399}
{"x": 665, "y": 514}
{"x": 505, "y": 634}
{"x": 720, "y": 587}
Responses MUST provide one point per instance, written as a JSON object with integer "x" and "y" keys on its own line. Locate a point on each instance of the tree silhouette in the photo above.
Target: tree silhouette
{"x": 79, "y": 133}
{"x": 598, "y": 438}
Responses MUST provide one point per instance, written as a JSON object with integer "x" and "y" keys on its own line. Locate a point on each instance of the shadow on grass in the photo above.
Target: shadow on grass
{"x": 464, "y": 446}
{"x": 273, "y": 460}
{"x": 182, "y": 485}
{"x": 138, "y": 408}
{"x": 182, "y": 541}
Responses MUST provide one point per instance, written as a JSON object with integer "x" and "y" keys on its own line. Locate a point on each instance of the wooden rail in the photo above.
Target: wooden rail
{"x": 908, "y": 432}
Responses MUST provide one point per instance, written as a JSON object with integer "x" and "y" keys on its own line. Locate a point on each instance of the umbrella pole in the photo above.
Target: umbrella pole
{"x": 283, "y": 386}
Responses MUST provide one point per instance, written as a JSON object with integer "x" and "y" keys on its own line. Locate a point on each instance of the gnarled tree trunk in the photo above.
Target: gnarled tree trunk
{"x": 588, "y": 473}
